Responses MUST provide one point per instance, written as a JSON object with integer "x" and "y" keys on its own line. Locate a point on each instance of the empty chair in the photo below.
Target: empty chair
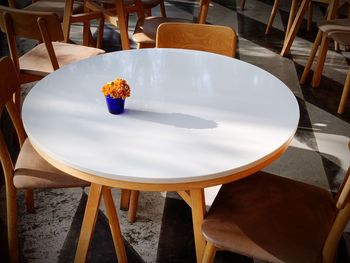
{"x": 211, "y": 38}
{"x": 47, "y": 56}
{"x": 60, "y": 7}
{"x": 118, "y": 15}
{"x": 146, "y": 27}
{"x": 275, "y": 219}
{"x": 338, "y": 30}
{"x": 30, "y": 171}
{"x": 56, "y": 6}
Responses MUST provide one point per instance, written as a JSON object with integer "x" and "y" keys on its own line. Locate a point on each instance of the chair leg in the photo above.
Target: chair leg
{"x": 345, "y": 94}
{"x": 322, "y": 53}
{"x": 162, "y": 9}
{"x": 242, "y": 4}
{"x": 134, "y": 200}
{"x": 209, "y": 253}
{"x": 272, "y": 16}
{"x": 309, "y": 17}
{"x": 148, "y": 12}
{"x": 12, "y": 223}
{"x": 29, "y": 196}
{"x": 311, "y": 57}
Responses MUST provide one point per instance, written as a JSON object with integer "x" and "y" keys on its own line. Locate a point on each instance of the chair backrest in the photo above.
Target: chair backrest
{"x": 340, "y": 222}
{"x": 9, "y": 85}
{"x": 42, "y": 26}
{"x": 212, "y": 38}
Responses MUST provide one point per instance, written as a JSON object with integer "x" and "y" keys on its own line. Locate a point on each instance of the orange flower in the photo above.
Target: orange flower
{"x": 116, "y": 89}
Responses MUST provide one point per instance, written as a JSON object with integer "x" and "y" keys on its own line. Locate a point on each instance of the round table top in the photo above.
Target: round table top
{"x": 192, "y": 116}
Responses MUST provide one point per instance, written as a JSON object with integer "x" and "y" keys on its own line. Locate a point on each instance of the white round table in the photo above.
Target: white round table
{"x": 194, "y": 119}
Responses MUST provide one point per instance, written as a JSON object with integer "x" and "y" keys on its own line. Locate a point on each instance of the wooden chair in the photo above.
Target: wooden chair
{"x": 146, "y": 27}
{"x": 338, "y": 30}
{"x": 118, "y": 15}
{"x": 30, "y": 171}
{"x": 59, "y": 7}
{"x": 56, "y": 6}
{"x": 211, "y": 38}
{"x": 293, "y": 11}
{"x": 47, "y": 56}
{"x": 275, "y": 219}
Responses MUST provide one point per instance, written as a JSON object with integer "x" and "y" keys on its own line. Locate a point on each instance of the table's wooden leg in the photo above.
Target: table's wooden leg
{"x": 125, "y": 199}
{"x": 114, "y": 225}
{"x": 134, "y": 201}
{"x": 198, "y": 212}
{"x": 294, "y": 28}
{"x": 89, "y": 221}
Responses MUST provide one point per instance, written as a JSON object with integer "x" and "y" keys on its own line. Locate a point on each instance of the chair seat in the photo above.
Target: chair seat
{"x": 146, "y": 29}
{"x": 271, "y": 218}
{"x": 335, "y": 25}
{"x": 37, "y": 62}
{"x": 56, "y": 6}
{"x": 32, "y": 171}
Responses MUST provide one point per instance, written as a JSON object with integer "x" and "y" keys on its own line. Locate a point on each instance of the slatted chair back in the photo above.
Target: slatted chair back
{"x": 212, "y": 38}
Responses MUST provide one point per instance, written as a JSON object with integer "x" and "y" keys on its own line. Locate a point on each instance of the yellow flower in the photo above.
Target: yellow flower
{"x": 118, "y": 88}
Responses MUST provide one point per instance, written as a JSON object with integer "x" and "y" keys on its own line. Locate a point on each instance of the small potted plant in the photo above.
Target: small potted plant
{"x": 115, "y": 93}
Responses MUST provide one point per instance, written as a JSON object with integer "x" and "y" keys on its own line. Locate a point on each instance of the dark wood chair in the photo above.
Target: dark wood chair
{"x": 275, "y": 219}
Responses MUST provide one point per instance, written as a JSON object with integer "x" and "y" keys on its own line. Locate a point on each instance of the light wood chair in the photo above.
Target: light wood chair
{"x": 47, "y": 56}
{"x": 30, "y": 171}
{"x": 275, "y": 219}
{"x": 60, "y": 7}
{"x": 211, "y": 38}
{"x": 56, "y": 6}
{"x": 118, "y": 15}
{"x": 338, "y": 30}
{"x": 146, "y": 27}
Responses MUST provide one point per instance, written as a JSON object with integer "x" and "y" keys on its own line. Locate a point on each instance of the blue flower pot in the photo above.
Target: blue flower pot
{"x": 115, "y": 106}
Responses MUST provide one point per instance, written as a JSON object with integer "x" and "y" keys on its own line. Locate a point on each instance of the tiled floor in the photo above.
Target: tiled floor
{"x": 162, "y": 233}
